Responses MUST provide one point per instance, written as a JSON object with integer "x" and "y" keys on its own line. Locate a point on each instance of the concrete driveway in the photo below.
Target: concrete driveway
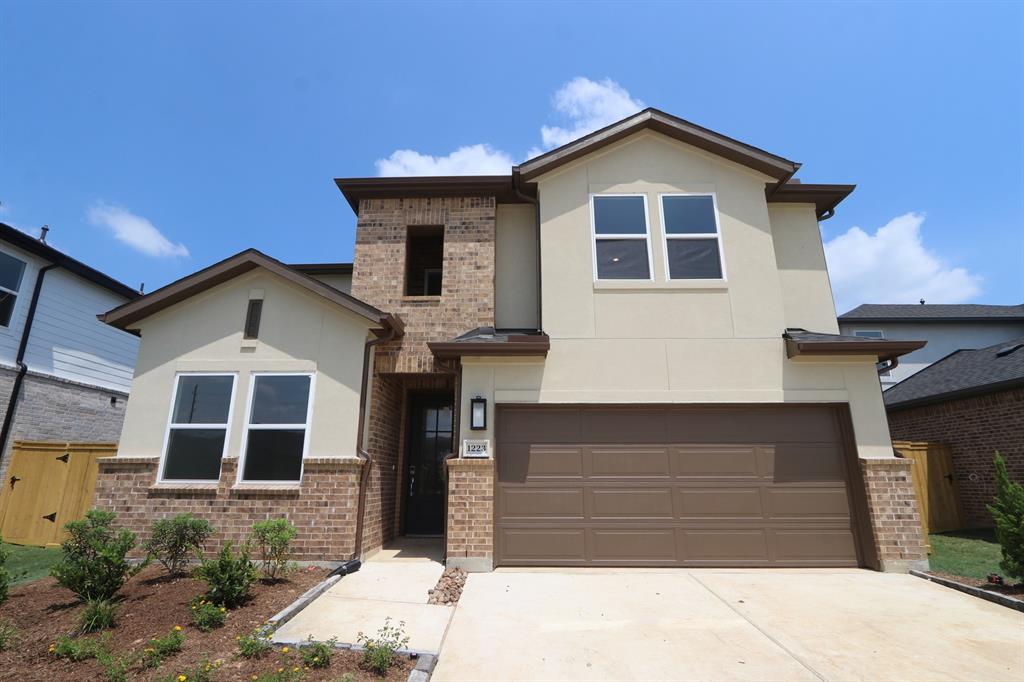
{"x": 609, "y": 624}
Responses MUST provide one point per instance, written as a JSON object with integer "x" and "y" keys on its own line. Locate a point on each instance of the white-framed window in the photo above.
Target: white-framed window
{"x": 693, "y": 238}
{"x": 276, "y": 427}
{"x": 12, "y": 271}
{"x": 197, "y": 427}
{"x": 873, "y": 334}
{"x": 621, "y": 237}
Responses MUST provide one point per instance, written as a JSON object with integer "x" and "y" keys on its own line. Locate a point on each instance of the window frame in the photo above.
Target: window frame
{"x": 594, "y": 237}
{"x": 717, "y": 236}
{"x": 17, "y": 294}
{"x": 244, "y": 448}
{"x": 226, "y": 426}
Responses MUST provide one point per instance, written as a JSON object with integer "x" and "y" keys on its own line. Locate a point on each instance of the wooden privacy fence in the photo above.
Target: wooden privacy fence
{"x": 47, "y": 485}
{"x": 938, "y": 494}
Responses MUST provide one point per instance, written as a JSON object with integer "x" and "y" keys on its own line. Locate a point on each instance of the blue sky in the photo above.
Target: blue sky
{"x": 155, "y": 139}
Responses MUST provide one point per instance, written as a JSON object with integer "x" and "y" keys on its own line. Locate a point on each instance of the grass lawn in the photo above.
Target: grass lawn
{"x": 30, "y": 563}
{"x": 969, "y": 553}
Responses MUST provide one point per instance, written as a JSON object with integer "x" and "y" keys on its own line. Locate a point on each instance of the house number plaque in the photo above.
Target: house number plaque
{"x": 480, "y": 449}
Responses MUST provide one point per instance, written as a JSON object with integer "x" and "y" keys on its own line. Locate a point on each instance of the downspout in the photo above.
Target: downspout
{"x": 12, "y": 404}
{"x": 893, "y": 363}
{"x": 826, "y": 215}
{"x": 517, "y": 188}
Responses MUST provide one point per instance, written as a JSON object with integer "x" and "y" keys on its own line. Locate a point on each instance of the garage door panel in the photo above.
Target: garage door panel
{"x": 807, "y": 503}
{"x": 726, "y": 545}
{"x": 782, "y": 425}
{"x": 808, "y": 463}
{"x": 522, "y": 463}
{"x": 619, "y": 425}
{"x": 542, "y": 503}
{"x": 629, "y": 462}
{"x": 732, "y": 461}
{"x": 633, "y": 545}
{"x": 717, "y": 503}
{"x": 543, "y": 546}
{"x": 631, "y": 503}
{"x": 551, "y": 425}
{"x": 808, "y": 546}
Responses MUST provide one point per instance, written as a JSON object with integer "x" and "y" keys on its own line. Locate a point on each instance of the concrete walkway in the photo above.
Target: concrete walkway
{"x": 392, "y": 583}
{"x": 609, "y": 624}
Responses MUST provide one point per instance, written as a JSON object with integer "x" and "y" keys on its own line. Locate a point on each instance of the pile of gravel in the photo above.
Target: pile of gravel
{"x": 448, "y": 588}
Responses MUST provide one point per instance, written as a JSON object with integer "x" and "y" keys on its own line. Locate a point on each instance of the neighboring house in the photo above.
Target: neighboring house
{"x": 64, "y": 375}
{"x": 623, "y": 352}
{"x": 972, "y": 400}
{"x": 946, "y": 328}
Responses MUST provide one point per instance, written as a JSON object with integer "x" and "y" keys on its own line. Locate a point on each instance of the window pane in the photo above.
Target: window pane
{"x": 619, "y": 215}
{"x": 280, "y": 400}
{"x": 202, "y": 400}
{"x": 622, "y": 259}
{"x": 194, "y": 454}
{"x": 7, "y": 301}
{"x": 694, "y": 259}
{"x": 274, "y": 455}
{"x": 689, "y": 215}
{"x": 869, "y": 334}
{"x": 11, "y": 270}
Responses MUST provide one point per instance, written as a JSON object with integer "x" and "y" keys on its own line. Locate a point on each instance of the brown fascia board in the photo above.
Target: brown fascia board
{"x": 322, "y": 268}
{"x": 883, "y": 350}
{"x": 536, "y": 346}
{"x": 227, "y": 269}
{"x": 653, "y": 119}
{"x": 824, "y": 197}
{"x": 501, "y": 187}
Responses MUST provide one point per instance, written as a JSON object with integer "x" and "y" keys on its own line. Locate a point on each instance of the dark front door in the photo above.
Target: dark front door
{"x": 430, "y": 441}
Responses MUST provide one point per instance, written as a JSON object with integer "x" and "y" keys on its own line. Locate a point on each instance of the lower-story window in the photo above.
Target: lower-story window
{"x": 277, "y": 430}
{"x": 198, "y": 427}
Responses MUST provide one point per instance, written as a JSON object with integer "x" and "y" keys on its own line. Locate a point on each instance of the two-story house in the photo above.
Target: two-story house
{"x": 624, "y": 352}
{"x": 64, "y": 375}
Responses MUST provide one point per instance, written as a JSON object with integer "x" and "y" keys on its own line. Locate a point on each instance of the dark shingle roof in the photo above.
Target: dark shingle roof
{"x": 962, "y": 373}
{"x": 929, "y": 312}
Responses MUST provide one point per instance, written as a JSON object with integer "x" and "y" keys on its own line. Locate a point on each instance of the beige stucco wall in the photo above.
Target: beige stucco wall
{"x": 515, "y": 267}
{"x": 339, "y": 282}
{"x": 800, "y": 257}
{"x": 299, "y": 331}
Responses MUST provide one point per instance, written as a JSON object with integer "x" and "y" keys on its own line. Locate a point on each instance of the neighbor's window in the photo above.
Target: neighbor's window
{"x": 873, "y": 334}
{"x": 693, "y": 248}
{"x": 278, "y": 426}
{"x": 621, "y": 239}
{"x": 198, "y": 428}
{"x": 11, "y": 272}
{"x": 424, "y": 260}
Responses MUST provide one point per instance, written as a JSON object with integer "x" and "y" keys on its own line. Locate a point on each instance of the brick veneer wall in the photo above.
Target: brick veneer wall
{"x": 892, "y": 508}
{"x": 470, "y": 534}
{"x": 974, "y": 428}
{"x": 467, "y": 289}
{"x": 383, "y": 433}
{"x": 322, "y": 507}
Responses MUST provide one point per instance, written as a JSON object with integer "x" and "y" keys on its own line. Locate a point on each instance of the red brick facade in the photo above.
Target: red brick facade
{"x": 471, "y": 514}
{"x": 893, "y": 510}
{"x": 974, "y": 428}
{"x": 322, "y": 507}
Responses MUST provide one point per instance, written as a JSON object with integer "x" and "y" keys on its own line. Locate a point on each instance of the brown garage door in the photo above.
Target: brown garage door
{"x": 673, "y": 486}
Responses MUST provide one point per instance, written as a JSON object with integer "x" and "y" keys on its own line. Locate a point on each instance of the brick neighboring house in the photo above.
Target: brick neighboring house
{"x": 64, "y": 376}
{"x": 622, "y": 352}
{"x": 973, "y": 400}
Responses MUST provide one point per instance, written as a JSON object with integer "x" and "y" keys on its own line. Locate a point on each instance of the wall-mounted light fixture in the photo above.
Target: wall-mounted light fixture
{"x": 478, "y": 413}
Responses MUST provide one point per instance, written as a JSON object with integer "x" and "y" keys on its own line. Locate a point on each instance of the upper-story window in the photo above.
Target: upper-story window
{"x": 622, "y": 243}
{"x": 277, "y": 430}
{"x": 11, "y": 272}
{"x": 198, "y": 427}
{"x": 693, "y": 247}
{"x": 424, "y": 260}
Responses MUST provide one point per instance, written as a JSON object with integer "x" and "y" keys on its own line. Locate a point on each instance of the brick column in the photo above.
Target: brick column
{"x": 895, "y": 519}
{"x": 470, "y": 533}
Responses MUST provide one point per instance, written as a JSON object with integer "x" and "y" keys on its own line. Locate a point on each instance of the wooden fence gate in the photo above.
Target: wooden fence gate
{"x": 938, "y": 494}
{"x": 47, "y": 485}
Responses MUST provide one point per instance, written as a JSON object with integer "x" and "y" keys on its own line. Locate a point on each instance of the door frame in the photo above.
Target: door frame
{"x": 413, "y": 397}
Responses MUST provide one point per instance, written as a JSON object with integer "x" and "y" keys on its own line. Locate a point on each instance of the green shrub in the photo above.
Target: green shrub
{"x": 9, "y": 634}
{"x": 317, "y": 654}
{"x": 98, "y": 614}
{"x": 200, "y": 673}
{"x": 273, "y": 539}
{"x": 160, "y": 648}
{"x": 254, "y": 645}
{"x": 206, "y": 615}
{"x": 5, "y": 575}
{"x": 95, "y": 564}
{"x": 80, "y": 649}
{"x": 379, "y": 652}
{"x": 173, "y": 541}
{"x": 228, "y": 577}
{"x": 115, "y": 668}
{"x": 1007, "y": 511}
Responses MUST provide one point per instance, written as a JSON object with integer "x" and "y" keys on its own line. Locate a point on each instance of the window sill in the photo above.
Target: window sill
{"x": 185, "y": 487}
{"x": 279, "y": 488}
{"x": 421, "y": 299}
{"x": 709, "y": 284}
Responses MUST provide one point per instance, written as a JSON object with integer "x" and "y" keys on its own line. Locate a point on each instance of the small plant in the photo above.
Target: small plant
{"x": 201, "y": 673}
{"x": 228, "y": 577}
{"x": 5, "y": 575}
{"x": 9, "y": 634}
{"x": 273, "y": 539}
{"x": 173, "y": 541}
{"x": 79, "y": 649}
{"x": 95, "y": 564}
{"x": 282, "y": 674}
{"x": 317, "y": 654}
{"x": 206, "y": 615}
{"x": 98, "y": 614}
{"x": 1007, "y": 511}
{"x": 379, "y": 652}
{"x": 160, "y": 648}
{"x": 115, "y": 668}
{"x": 255, "y": 645}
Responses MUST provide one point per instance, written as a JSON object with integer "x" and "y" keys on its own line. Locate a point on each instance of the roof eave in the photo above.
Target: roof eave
{"x": 954, "y": 395}
{"x": 883, "y": 350}
{"x": 501, "y": 187}
{"x": 456, "y": 349}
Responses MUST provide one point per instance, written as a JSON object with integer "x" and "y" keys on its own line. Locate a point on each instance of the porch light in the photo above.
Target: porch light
{"x": 478, "y": 413}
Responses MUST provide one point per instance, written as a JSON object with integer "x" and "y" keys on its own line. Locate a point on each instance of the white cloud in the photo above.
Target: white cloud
{"x": 893, "y": 266}
{"x": 134, "y": 230}
{"x": 585, "y": 104}
{"x": 477, "y": 159}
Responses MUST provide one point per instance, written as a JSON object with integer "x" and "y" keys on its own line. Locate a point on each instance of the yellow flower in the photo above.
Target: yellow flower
{"x": 223, "y": 609}
{"x": 316, "y": 659}
{"x": 285, "y": 650}
{"x": 253, "y": 678}
{"x": 295, "y": 669}
{"x": 280, "y": 670}
{"x": 177, "y": 628}
{"x": 182, "y": 678}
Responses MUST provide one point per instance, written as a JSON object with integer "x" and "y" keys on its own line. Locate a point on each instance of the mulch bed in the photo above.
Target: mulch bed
{"x": 1015, "y": 591}
{"x": 151, "y": 607}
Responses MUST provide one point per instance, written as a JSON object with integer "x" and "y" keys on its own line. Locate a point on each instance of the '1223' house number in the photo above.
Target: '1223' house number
{"x": 476, "y": 448}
